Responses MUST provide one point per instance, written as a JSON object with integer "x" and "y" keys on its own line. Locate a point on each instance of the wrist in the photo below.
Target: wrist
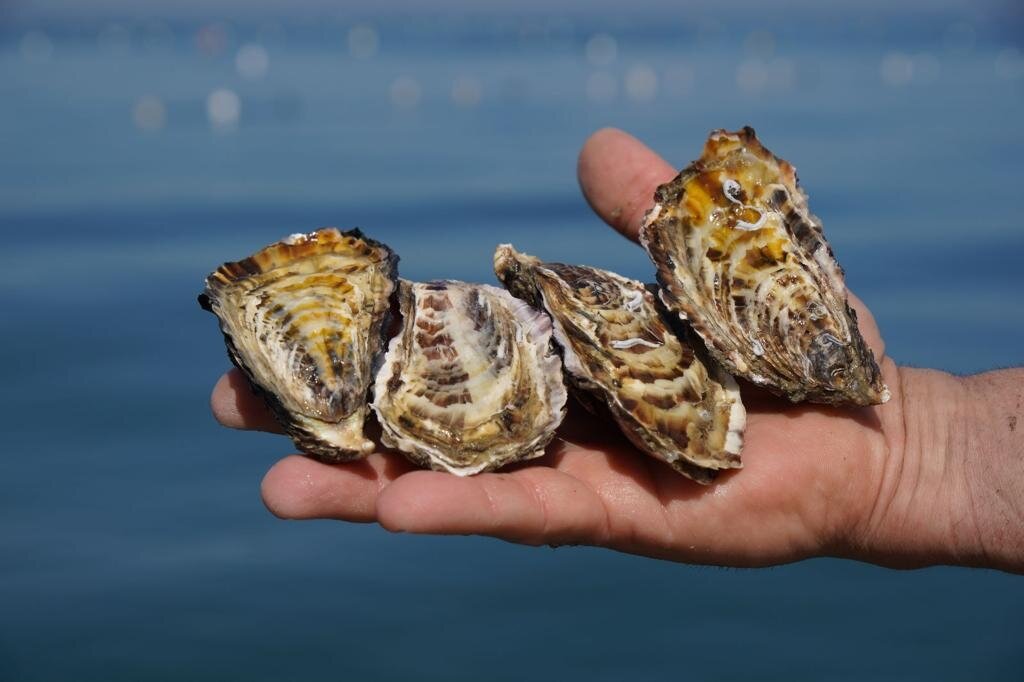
{"x": 993, "y": 456}
{"x": 944, "y": 490}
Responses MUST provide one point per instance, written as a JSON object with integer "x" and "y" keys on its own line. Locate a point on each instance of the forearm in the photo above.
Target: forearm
{"x": 951, "y": 488}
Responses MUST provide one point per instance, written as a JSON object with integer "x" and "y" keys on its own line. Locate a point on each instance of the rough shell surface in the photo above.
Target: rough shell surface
{"x": 304, "y": 319}
{"x": 617, "y": 347}
{"x": 741, "y": 257}
{"x": 471, "y": 383}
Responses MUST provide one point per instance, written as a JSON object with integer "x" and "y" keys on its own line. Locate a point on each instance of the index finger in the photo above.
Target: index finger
{"x": 618, "y": 175}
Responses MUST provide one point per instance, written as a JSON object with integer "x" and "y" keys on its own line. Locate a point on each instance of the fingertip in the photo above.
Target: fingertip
{"x": 597, "y": 151}
{"x": 236, "y": 405}
{"x": 618, "y": 175}
{"x": 220, "y": 399}
{"x": 600, "y": 139}
{"x": 299, "y": 487}
{"x": 289, "y": 486}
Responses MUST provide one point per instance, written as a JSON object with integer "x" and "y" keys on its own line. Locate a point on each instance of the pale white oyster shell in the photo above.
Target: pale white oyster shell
{"x": 471, "y": 383}
{"x": 618, "y": 348}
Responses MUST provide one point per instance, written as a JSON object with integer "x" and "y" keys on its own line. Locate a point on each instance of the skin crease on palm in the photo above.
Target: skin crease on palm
{"x": 816, "y": 480}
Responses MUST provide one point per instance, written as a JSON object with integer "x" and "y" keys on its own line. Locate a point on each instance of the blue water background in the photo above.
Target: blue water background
{"x": 133, "y": 544}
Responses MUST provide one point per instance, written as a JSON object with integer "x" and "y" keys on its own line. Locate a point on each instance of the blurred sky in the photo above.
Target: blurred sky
{"x": 278, "y": 8}
{"x": 1005, "y": 17}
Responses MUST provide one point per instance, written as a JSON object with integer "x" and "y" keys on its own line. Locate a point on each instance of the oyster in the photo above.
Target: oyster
{"x": 618, "y": 348}
{"x": 471, "y": 382}
{"x": 741, "y": 257}
{"x": 304, "y": 320}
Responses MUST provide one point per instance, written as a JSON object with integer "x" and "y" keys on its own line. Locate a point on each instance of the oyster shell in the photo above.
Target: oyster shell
{"x": 304, "y": 320}
{"x": 471, "y": 383}
{"x": 618, "y": 348}
{"x": 741, "y": 257}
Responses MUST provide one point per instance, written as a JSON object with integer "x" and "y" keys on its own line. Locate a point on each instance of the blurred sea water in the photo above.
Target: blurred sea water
{"x": 136, "y": 155}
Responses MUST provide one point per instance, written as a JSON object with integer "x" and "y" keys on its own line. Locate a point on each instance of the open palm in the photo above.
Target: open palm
{"x": 814, "y": 478}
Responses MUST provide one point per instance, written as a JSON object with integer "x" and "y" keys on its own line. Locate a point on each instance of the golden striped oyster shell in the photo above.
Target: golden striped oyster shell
{"x": 471, "y": 383}
{"x": 618, "y": 348}
{"x": 741, "y": 257}
{"x": 304, "y": 320}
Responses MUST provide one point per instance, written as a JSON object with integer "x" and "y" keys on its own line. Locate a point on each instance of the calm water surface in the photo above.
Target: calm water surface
{"x": 134, "y": 542}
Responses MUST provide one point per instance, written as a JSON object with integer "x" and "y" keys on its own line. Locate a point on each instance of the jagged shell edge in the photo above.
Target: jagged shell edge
{"x": 737, "y": 414}
{"x": 649, "y": 217}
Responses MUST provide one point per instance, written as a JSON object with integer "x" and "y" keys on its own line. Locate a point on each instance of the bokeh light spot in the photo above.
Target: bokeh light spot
{"x": 36, "y": 47}
{"x": 223, "y": 109}
{"x": 466, "y": 91}
{"x": 149, "y": 113}
{"x": 897, "y": 69}
{"x": 601, "y": 49}
{"x": 641, "y": 83}
{"x": 211, "y": 39}
{"x": 752, "y": 76}
{"x": 405, "y": 92}
{"x": 363, "y": 41}
{"x": 252, "y": 61}
{"x": 1010, "y": 64}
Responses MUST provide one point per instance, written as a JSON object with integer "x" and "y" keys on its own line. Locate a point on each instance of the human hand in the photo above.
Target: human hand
{"x": 879, "y": 483}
